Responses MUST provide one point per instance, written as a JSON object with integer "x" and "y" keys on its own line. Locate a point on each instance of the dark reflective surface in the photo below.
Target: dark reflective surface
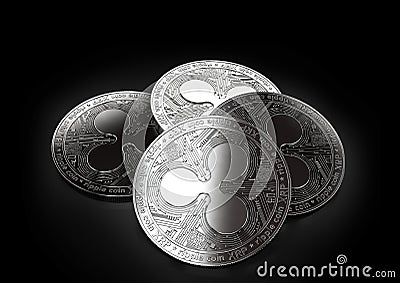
{"x": 109, "y": 156}
{"x": 299, "y": 171}
{"x": 287, "y": 129}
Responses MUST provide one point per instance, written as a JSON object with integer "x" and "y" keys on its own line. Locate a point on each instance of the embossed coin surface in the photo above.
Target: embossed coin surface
{"x": 192, "y": 89}
{"x": 87, "y": 144}
{"x": 192, "y": 189}
{"x": 311, "y": 146}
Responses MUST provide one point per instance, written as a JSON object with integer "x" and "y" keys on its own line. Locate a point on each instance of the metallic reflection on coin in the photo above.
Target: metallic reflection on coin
{"x": 200, "y": 161}
{"x": 86, "y": 145}
{"x": 195, "y": 88}
{"x": 140, "y": 130}
{"x": 311, "y": 146}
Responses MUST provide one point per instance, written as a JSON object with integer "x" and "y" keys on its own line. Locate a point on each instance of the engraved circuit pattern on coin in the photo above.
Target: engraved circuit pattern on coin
{"x": 187, "y": 230}
{"x": 317, "y": 145}
{"x": 192, "y": 89}
{"x": 86, "y": 145}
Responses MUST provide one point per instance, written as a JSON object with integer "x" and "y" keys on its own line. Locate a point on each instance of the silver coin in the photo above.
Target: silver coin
{"x": 86, "y": 145}
{"x": 311, "y": 146}
{"x": 192, "y": 89}
{"x": 192, "y": 189}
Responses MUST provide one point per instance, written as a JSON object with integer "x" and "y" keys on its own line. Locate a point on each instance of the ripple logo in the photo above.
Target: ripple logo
{"x": 331, "y": 270}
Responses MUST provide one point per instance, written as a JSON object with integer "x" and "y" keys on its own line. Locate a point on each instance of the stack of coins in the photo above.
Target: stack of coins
{"x": 213, "y": 156}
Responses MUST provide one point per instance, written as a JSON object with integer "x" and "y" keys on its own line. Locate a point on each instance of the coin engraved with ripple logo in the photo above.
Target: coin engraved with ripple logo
{"x": 192, "y": 189}
{"x": 311, "y": 146}
{"x": 192, "y": 89}
{"x": 87, "y": 144}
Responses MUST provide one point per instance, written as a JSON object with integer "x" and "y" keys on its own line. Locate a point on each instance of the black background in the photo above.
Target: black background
{"x": 66, "y": 236}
